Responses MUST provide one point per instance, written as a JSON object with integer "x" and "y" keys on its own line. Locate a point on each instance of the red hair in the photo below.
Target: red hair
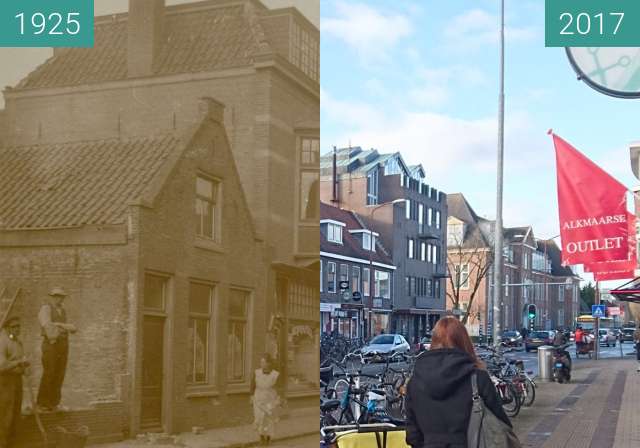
{"x": 450, "y": 333}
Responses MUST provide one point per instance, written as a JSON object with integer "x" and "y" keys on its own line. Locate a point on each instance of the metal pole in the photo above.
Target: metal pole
{"x": 596, "y": 349}
{"x": 497, "y": 270}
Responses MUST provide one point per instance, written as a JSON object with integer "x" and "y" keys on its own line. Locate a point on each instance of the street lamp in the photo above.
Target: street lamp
{"x": 497, "y": 270}
{"x": 371, "y": 248}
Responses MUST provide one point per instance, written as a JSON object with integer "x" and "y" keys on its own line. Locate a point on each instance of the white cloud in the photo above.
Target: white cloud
{"x": 476, "y": 27}
{"x": 368, "y": 31}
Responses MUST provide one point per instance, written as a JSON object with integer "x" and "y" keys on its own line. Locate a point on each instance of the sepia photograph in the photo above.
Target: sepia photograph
{"x": 159, "y": 221}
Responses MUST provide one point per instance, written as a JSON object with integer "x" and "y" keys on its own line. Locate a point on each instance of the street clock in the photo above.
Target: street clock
{"x": 614, "y": 71}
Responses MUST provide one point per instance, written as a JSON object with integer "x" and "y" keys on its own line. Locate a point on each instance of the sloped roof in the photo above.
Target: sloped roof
{"x": 80, "y": 183}
{"x": 516, "y": 234}
{"x": 555, "y": 255}
{"x": 350, "y": 246}
{"x": 459, "y": 208}
{"x": 195, "y": 40}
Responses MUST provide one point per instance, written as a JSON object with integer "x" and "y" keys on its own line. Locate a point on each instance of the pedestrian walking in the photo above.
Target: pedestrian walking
{"x": 265, "y": 399}
{"x": 55, "y": 349}
{"x": 13, "y": 365}
{"x": 438, "y": 401}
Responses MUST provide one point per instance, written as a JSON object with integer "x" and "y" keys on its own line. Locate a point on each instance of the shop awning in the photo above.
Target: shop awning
{"x": 629, "y": 292}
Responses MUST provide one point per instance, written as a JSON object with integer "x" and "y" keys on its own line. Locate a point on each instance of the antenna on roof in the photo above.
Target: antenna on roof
{"x": 335, "y": 175}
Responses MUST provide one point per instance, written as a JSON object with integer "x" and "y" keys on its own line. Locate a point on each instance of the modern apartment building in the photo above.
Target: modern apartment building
{"x": 409, "y": 215}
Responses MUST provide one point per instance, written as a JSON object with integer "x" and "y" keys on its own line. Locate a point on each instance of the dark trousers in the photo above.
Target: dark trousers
{"x": 54, "y": 366}
{"x": 10, "y": 407}
{"x": 638, "y": 351}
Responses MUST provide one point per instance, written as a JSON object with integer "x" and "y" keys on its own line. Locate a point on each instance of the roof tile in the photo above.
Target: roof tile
{"x": 79, "y": 183}
{"x": 195, "y": 41}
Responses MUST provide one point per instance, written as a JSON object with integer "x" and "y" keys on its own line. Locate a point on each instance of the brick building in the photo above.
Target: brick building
{"x": 409, "y": 215}
{"x": 532, "y": 273}
{"x": 116, "y": 178}
{"x": 351, "y": 252}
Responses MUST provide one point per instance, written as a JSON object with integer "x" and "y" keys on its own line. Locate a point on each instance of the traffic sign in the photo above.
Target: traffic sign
{"x": 598, "y": 310}
{"x": 356, "y": 296}
{"x": 614, "y": 311}
{"x": 344, "y": 285}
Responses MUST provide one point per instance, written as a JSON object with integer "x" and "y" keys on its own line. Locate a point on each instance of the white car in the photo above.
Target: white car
{"x": 607, "y": 337}
{"x": 386, "y": 343}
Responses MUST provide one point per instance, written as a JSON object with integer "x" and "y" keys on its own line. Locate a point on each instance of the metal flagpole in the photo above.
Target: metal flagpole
{"x": 596, "y": 348}
{"x": 497, "y": 258}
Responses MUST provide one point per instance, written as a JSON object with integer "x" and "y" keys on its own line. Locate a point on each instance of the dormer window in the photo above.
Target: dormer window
{"x": 334, "y": 233}
{"x": 369, "y": 241}
{"x": 333, "y": 230}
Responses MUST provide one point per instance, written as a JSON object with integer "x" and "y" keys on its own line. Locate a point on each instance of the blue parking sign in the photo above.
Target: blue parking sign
{"x": 598, "y": 311}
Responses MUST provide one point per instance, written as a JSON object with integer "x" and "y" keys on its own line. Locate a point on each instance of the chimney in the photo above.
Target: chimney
{"x": 145, "y": 35}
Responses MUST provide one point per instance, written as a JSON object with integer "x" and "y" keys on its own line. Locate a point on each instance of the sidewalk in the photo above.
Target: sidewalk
{"x": 299, "y": 423}
{"x": 598, "y": 409}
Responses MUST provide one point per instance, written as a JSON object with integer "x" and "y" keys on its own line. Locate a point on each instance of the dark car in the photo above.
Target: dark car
{"x": 536, "y": 339}
{"x": 512, "y": 338}
{"x": 627, "y": 334}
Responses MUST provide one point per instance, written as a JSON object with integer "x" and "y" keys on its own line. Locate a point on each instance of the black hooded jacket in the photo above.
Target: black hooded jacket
{"x": 438, "y": 399}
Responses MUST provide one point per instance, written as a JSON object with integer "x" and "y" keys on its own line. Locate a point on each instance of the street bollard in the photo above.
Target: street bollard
{"x": 545, "y": 363}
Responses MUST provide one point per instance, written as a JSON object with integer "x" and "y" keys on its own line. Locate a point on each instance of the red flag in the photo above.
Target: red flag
{"x": 592, "y": 207}
{"x": 622, "y": 269}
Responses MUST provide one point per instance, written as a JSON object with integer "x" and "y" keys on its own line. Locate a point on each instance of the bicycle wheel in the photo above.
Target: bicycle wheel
{"x": 530, "y": 396}
{"x": 510, "y": 399}
{"x": 340, "y": 390}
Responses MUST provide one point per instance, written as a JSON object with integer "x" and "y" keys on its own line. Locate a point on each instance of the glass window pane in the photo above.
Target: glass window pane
{"x": 200, "y": 298}
{"x": 236, "y": 351}
{"x": 238, "y": 303}
{"x": 154, "y": 292}
{"x": 204, "y": 188}
{"x": 200, "y": 350}
{"x": 309, "y": 195}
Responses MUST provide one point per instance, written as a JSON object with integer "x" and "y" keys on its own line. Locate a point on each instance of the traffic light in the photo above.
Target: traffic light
{"x": 531, "y": 311}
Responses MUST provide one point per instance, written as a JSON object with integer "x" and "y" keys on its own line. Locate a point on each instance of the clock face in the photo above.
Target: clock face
{"x": 613, "y": 71}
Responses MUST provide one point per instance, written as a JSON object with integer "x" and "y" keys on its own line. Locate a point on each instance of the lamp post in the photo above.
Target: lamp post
{"x": 371, "y": 249}
{"x": 497, "y": 271}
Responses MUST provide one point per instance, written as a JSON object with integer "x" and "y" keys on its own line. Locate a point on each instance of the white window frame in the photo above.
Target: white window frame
{"x": 332, "y": 270}
{"x": 411, "y": 249}
{"x": 378, "y": 282}
{"x": 334, "y": 233}
{"x": 407, "y": 208}
{"x": 438, "y": 219}
{"x": 423, "y": 251}
{"x": 462, "y": 274}
{"x": 366, "y": 282}
{"x": 216, "y": 207}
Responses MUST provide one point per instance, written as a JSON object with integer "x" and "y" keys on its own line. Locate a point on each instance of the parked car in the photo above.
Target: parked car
{"x": 627, "y": 334}
{"x": 607, "y": 337}
{"x": 536, "y": 339}
{"x": 385, "y": 344}
{"x": 512, "y": 338}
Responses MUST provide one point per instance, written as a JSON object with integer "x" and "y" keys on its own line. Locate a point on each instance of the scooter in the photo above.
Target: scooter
{"x": 561, "y": 364}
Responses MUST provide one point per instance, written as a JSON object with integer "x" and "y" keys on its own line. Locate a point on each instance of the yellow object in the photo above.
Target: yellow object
{"x": 395, "y": 439}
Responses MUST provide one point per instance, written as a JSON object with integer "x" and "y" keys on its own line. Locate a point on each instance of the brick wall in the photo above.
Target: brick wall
{"x": 95, "y": 278}
{"x": 168, "y": 245}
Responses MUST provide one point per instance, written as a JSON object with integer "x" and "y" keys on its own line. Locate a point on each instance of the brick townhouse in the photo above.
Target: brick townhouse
{"x": 532, "y": 273}
{"x": 160, "y": 212}
{"x": 351, "y": 252}
{"x": 410, "y": 216}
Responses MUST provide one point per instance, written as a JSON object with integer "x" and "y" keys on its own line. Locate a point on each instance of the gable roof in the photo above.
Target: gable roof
{"x": 555, "y": 255}
{"x": 474, "y": 236}
{"x": 198, "y": 37}
{"x": 355, "y": 160}
{"x": 79, "y": 183}
{"x": 350, "y": 246}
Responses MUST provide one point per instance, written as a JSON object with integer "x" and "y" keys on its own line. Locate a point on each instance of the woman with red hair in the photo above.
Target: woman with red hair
{"x": 439, "y": 394}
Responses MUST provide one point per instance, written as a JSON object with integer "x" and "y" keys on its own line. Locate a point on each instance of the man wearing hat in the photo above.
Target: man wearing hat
{"x": 13, "y": 365}
{"x": 55, "y": 349}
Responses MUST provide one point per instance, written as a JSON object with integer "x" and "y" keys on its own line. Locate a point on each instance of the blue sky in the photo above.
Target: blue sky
{"x": 421, "y": 77}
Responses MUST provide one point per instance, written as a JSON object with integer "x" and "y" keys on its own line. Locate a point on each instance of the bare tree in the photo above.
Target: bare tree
{"x": 478, "y": 260}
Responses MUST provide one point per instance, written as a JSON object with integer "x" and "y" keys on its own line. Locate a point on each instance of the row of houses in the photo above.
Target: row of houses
{"x": 397, "y": 254}
{"x": 139, "y": 175}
